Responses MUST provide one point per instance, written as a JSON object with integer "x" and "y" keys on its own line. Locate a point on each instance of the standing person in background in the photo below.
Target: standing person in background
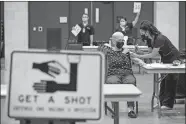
{"x": 85, "y": 36}
{"x": 126, "y": 27}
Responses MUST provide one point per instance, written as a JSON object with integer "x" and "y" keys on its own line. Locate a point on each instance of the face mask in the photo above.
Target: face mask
{"x": 122, "y": 23}
{"x": 119, "y": 45}
{"x": 144, "y": 37}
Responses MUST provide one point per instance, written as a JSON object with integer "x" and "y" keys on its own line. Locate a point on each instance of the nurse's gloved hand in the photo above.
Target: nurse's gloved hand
{"x": 136, "y": 48}
{"x": 134, "y": 55}
{"x": 125, "y": 51}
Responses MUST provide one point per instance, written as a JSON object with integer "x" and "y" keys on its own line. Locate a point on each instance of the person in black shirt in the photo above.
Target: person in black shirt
{"x": 85, "y": 36}
{"x": 126, "y": 28}
{"x": 160, "y": 44}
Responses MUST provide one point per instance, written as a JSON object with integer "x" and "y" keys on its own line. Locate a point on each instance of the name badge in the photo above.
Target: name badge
{"x": 83, "y": 30}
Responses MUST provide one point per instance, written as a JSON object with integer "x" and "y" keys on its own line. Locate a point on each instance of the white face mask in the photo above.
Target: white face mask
{"x": 122, "y": 23}
{"x": 83, "y": 30}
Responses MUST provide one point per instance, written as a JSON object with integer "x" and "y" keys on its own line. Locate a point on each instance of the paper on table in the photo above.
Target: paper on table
{"x": 137, "y": 7}
{"x": 164, "y": 66}
{"x": 156, "y": 65}
{"x": 179, "y": 66}
{"x": 76, "y": 30}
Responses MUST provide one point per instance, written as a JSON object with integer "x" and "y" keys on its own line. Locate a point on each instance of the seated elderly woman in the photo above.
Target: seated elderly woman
{"x": 119, "y": 65}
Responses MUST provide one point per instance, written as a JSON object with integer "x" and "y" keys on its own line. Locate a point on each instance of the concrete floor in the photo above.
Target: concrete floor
{"x": 144, "y": 83}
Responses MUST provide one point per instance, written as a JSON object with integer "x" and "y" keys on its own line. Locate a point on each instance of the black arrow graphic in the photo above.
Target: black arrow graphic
{"x": 51, "y": 86}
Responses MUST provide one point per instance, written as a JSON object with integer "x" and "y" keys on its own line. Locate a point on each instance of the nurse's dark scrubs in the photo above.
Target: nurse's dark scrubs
{"x": 168, "y": 53}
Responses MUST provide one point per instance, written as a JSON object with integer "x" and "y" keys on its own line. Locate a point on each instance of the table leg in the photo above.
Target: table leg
{"x": 185, "y": 109}
{"x": 159, "y": 108}
{"x": 154, "y": 92}
{"x": 105, "y": 108}
{"x": 139, "y": 69}
{"x": 157, "y": 95}
{"x": 116, "y": 111}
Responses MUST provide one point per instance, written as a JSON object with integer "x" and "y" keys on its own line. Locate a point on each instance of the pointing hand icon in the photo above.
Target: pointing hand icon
{"x": 49, "y": 68}
{"x": 45, "y": 86}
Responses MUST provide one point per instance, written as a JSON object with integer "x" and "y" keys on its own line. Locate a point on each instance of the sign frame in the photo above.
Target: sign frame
{"x": 74, "y": 52}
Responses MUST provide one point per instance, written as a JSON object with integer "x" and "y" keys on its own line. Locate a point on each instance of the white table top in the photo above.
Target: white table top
{"x": 163, "y": 68}
{"x": 121, "y": 92}
{"x": 128, "y": 46}
{"x": 90, "y": 47}
{"x": 132, "y": 47}
{"x": 121, "y": 89}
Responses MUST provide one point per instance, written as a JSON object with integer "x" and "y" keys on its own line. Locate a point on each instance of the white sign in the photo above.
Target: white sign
{"x": 97, "y": 15}
{"x": 63, "y": 19}
{"x": 40, "y": 29}
{"x": 66, "y": 85}
{"x": 76, "y": 29}
{"x": 86, "y": 10}
{"x": 137, "y": 7}
{"x": 34, "y": 28}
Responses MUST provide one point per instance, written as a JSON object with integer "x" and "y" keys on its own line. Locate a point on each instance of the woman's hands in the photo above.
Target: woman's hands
{"x": 126, "y": 51}
{"x": 138, "y": 61}
{"x": 134, "y": 55}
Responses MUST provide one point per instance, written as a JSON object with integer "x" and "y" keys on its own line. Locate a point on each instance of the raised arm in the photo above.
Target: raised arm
{"x": 136, "y": 19}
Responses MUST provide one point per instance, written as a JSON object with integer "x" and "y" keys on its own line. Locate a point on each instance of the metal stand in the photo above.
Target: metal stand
{"x": 116, "y": 112}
